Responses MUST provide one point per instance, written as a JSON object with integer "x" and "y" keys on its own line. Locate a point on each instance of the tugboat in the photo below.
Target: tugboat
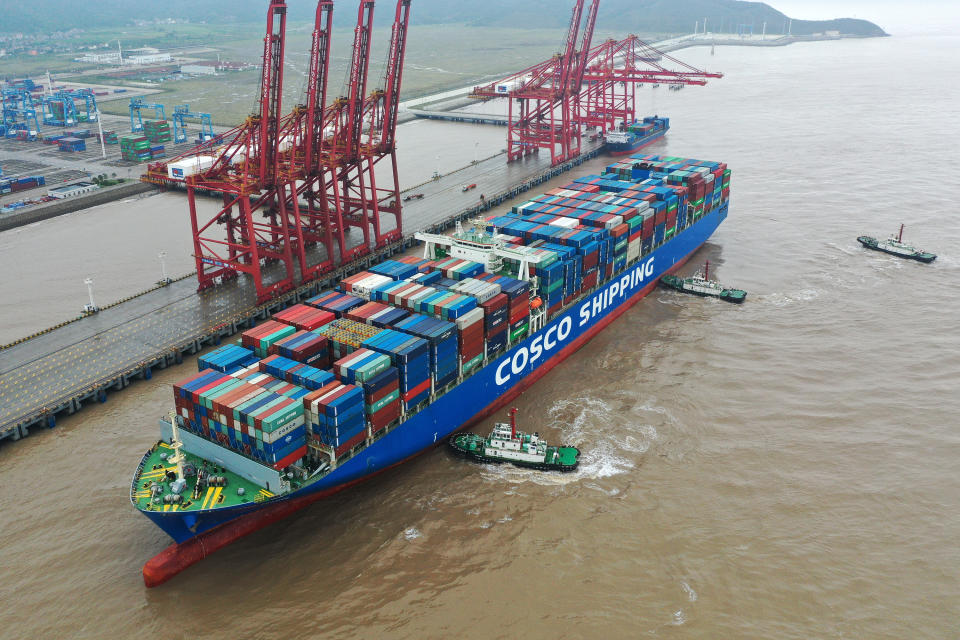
{"x": 506, "y": 444}
{"x": 701, "y": 285}
{"x": 897, "y": 247}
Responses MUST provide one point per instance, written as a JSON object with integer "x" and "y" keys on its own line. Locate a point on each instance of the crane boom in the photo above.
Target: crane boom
{"x": 394, "y": 75}
{"x": 317, "y": 88}
{"x": 357, "y": 88}
{"x": 271, "y": 84}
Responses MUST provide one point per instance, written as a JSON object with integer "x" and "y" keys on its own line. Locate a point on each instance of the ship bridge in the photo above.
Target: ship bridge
{"x": 479, "y": 246}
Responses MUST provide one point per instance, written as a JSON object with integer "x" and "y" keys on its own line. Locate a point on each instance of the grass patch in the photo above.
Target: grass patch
{"x": 438, "y": 57}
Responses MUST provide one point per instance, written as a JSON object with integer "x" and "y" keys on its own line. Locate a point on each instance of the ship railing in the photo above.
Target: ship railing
{"x": 136, "y": 474}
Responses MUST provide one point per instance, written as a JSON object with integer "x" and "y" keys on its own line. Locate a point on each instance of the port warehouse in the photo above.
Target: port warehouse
{"x": 372, "y": 325}
{"x": 98, "y": 385}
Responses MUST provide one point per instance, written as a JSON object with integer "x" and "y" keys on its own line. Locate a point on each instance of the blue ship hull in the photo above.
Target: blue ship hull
{"x": 624, "y": 148}
{"x": 478, "y": 396}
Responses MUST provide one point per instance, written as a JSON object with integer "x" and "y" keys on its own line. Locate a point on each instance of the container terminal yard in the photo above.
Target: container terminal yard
{"x": 60, "y": 369}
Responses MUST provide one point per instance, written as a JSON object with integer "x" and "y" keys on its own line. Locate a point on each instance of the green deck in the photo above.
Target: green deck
{"x": 568, "y": 455}
{"x": 155, "y": 469}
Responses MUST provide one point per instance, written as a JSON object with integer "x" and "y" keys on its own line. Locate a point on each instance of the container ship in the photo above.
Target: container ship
{"x": 633, "y": 137}
{"x": 358, "y": 379}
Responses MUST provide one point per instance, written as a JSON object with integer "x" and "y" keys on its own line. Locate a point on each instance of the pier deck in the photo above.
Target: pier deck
{"x": 79, "y": 362}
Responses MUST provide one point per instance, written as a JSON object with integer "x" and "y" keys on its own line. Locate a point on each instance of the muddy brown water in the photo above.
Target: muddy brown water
{"x": 782, "y": 469}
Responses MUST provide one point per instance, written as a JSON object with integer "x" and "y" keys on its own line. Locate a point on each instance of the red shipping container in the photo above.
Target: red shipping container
{"x": 290, "y": 459}
{"x": 417, "y": 390}
{"x": 648, "y": 225}
{"x": 319, "y": 393}
{"x": 251, "y": 337}
{"x": 519, "y": 314}
{"x": 304, "y": 317}
{"x": 385, "y": 416}
{"x": 351, "y": 443}
{"x": 522, "y": 299}
{"x": 496, "y": 302}
{"x": 382, "y": 393}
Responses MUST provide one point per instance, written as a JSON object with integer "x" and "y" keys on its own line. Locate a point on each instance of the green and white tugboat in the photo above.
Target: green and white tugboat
{"x": 506, "y": 444}
{"x": 897, "y": 247}
{"x": 700, "y": 284}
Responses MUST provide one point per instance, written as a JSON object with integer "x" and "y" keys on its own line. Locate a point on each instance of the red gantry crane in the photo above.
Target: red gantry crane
{"x": 250, "y": 229}
{"x": 582, "y": 87}
{"x": 615, "y": 69}
{"x": 290, "y": 183}
{"x": 546, "y": 94}
{"x": 368, "y": 134}
{"x": 310, "y": 190}
{"x": 339, "y": 146}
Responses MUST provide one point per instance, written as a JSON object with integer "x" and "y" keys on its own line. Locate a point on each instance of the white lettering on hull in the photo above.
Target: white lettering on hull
{"x": 557, "y": 334}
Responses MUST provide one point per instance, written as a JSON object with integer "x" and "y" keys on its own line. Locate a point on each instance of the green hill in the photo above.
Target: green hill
{"x": 644, "y": 16}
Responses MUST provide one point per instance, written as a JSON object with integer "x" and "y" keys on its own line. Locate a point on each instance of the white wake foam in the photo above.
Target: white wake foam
{"x": 610, "y": 443}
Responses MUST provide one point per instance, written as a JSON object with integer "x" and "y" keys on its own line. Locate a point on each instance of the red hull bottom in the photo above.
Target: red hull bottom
{"x": 177, "y": 557}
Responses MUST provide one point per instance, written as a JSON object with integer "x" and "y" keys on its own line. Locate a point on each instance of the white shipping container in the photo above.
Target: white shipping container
{"x": 363, "y": 288}
{"x": 189, "y": 166}
{"x": 566, "y": 223}
{"x": 616, "y": 220}
{"x": 470, "y": 318}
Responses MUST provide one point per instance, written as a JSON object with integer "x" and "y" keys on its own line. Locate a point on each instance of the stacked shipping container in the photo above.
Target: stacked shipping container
{"x": 410, "y": 327}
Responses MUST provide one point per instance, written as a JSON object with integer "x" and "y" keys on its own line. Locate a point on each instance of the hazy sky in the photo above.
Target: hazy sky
{"x": 894, "y": 16}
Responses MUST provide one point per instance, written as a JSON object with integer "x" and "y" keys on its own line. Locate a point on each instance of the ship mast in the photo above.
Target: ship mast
{"x": 706, "y": 270}
{"x": 177, "y": 458}
{"x": 900, "y": 235}
{"x": 513, "y": 423}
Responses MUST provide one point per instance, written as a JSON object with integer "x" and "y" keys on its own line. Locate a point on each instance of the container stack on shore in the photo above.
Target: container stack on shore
{"x": 71, "y": 144}
{"x": 134, "y": 147}
{"x": 12, "y": 185}
{"x": 358, "y": 360}
{"x": 157, "y": 131}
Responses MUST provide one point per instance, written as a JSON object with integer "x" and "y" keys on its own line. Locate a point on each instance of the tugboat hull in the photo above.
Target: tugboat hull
{"x": 871, "y": 243}
{"x": 735, "y": 296}
{"x": 479, "y": 456}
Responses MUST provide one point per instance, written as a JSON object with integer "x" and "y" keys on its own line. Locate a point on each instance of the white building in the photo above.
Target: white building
{"x": 198, "y": 69}
{"x": 72, "y": 190}
{"x": 147, "y": 58}
{"x": 101, "y": 58}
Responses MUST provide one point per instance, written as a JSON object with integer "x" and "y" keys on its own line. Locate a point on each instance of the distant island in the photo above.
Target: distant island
{"x": 636, "y": 16}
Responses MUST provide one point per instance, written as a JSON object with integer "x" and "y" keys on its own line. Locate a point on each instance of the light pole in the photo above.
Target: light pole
{"x": 103, "y": 148}
{"x": 164, "y": 279}
{"x": 92, "y": 306}
{"x": 476, "y": 152}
